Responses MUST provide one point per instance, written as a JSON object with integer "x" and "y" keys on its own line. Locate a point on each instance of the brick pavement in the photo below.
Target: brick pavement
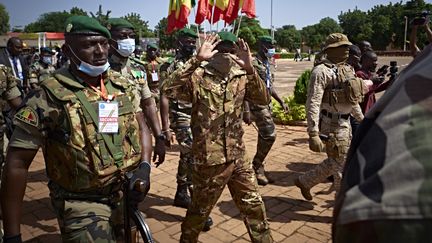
{"x": 291, "y": 218}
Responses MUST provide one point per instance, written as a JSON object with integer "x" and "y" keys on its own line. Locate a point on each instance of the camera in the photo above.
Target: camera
{"x": 422, "y": 19}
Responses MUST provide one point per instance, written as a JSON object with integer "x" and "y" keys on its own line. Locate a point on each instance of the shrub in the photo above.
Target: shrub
{"x": 297, "y": 111}
{"x": 301, "y": 87}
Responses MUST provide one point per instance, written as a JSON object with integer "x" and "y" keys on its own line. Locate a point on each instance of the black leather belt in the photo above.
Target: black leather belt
{"x": 337, "y": 115}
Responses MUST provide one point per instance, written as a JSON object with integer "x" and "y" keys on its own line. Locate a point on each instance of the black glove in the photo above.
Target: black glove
{"x": 139, "y": 183}
{"x": 12, "y": 239}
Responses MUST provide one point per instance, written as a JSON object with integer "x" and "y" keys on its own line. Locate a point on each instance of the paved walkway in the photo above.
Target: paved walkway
{"x": 291, "y": 218}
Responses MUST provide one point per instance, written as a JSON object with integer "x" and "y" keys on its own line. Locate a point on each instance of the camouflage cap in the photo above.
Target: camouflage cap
{"x": 267, "y": 38}
{"x": 152, "y": 45}
{"x": 227, "y": 36}
{"x": 118, "y": 23}
{"x": 187, "y": 32}
{"x": 84, "y": 25}
{"x": 335, "y": 40}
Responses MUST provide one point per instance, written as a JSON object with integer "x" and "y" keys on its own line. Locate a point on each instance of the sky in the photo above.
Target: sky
{"x": 285, "y": 12}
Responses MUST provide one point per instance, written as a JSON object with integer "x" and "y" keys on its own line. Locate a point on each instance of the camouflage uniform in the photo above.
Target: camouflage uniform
{"x": 150, "y": 68}
{"x": 263, "y": 118}
{"x": 8, "y": 91}
{"x": 386, "y": 189}
{"x": 85, "y": 170}
{"x": 330, "y": 119}
{"x": 39, "y": 72}
{"x": 180, "y": 115}
{"x": 218, "y": 148}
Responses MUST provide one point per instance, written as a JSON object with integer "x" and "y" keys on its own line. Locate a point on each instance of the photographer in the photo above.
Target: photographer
{"x": 421, "y": 21}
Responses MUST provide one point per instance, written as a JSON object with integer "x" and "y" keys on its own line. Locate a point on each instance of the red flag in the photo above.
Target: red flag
{"x": 178, "y": 14}
{"x": 203, "y": 11}
{"x": 248, "y": 8}
{"x": 231, "y": 12}
{"x": 219, "y": 10}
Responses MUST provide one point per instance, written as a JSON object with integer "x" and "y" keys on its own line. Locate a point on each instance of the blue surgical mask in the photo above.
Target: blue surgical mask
{"x": 91, "y": 70}
{"x": 47, "y": 60}
{"x": 126, "y": 47}
{"x": 270, "y": 52}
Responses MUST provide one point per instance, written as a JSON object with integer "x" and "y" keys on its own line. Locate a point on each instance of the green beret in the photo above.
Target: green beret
{"x": 152, "y": 45}
{"x": 187, "y": 32}
{"x": 84, "y": 25}
{"x": 266, "y": 38}
{"x": 46, "y": 50}
{"x": 227, "y": 36}
{"x": 118, "y": 23}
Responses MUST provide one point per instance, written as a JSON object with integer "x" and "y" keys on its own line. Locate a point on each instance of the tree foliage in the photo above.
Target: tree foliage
{"x": 4, "y": 20}
{"x": 165, "y": 41}
{"x": 141, "y": 26}
{"x": 49, "y": 22}
{"x": 78, "y": 11}
{"x": 315, "y": 35}
{"x": 250, "y": 30}
{"x": 288, "y": 37}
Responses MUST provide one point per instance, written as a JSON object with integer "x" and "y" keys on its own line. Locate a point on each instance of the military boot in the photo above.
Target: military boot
{"x": 304, "y": 190}
{"x": 182, "y": 199}
{"x": 208, "y": 224}
{"x": 260, "y": 175}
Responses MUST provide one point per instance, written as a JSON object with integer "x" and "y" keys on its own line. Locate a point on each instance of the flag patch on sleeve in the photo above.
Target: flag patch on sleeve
{"x": 28, "y": 116}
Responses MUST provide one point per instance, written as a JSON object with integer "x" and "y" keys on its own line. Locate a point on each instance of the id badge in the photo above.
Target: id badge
{"x": 155, "y": 77}
{"x": 108, "y": 117}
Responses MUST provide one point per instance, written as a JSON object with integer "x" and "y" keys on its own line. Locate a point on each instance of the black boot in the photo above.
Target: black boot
{"x": 182, "y": 199}
{"x": 208, "y": 224}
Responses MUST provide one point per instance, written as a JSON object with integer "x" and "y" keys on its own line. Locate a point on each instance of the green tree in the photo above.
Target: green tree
{"x": 78, "y": 11}
{"x": 49, "y": 22}
{"x": 288, "y": 37}
{"x": 4, "y": 20}
{"x": 165, "y": 41}
{"x": 141, "y": 27}
{"x": 315, "y": 35}
{"x": 100, "y": 16}
{"x": 250, "y": 30}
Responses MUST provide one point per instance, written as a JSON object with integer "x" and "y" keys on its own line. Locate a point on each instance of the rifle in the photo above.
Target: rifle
{"x": 136, "y": 185}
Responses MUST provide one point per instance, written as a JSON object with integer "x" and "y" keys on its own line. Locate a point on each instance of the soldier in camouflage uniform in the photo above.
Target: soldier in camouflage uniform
{"x": 122, "y": 44}
{"x": 179, "y": 119}
{"x": 85, "y": 157}
{"x": 217, "y": 85}
{"x": 153, "y": 63}
{"x": 9, "y": 93}
{"x": 41, "y": 69}
{"x": 333, "y": 94}
{"x": 262, "y": 113}
{"x": 386, "y": 187}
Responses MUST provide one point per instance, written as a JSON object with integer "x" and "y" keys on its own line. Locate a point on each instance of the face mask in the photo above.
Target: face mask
{"x": 337, "y": 54}
{"x": 47, "y": 60}
{"x": 90, "y": 70}
{"x": 271, "y": 52}
{"x": 187, "y": 50}
{"x": 126, "y": 47}
{"x": 222, "y": 62}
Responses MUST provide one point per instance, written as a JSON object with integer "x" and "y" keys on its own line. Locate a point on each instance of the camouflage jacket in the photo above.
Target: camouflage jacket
{"x": 77, "y": 157}
{"x": 322, "y": 77}
{"x": 8, "y": 84}
{"x": 388, "y": 174}
{"x": 38, "y": 72}
{"x": 217, "y": 106}
{"x": 134, "y": 70}
{"x": 154, "y": 68}
{"x": 261, "y": 68}
{"x": 180, "y": 112}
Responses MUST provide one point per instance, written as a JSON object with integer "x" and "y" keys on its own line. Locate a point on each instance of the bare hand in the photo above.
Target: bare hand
{"x": 245, "y": 56}
{"x": 169, "y": 138}
{"x": 285, "y": 107}
{"x": 159, "y": 151}
{"x": 247, "y": 118}
{"x": 207, "y": 51}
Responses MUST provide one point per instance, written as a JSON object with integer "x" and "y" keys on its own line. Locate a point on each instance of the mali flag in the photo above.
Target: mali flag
{"x": 248, "y": 8}
{"x": 178, "y": 14}
{"x": 234, "y": 6}
{"x": 220, "y": 9}
{"x": 203, "y": 11}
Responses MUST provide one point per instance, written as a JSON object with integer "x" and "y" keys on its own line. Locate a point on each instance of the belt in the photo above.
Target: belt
{"x": 335, "y": 115}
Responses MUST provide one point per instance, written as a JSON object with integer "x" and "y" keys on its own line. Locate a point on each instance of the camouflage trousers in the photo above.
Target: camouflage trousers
{"x": 339, "y": 133}
{"x": 380, "y": 231}
{"x": 266, "y": 132}
{"x": 209, "y": 182}
{"x": 87, "y": 221}
{"x": 184, "y": 140}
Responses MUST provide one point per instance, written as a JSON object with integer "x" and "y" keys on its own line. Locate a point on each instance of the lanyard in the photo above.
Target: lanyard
{"x": 153, "y": 67}
{"x": 103, "y": 91}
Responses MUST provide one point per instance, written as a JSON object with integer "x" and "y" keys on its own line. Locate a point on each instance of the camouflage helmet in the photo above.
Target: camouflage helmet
{"x": 335, "y": 40}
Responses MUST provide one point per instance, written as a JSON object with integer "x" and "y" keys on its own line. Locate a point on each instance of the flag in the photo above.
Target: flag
{"x": 203, "y": 11}
{"x": 220, "y": 8}
{"x": 248, "y": 8}
{"x": 178, "y": 14}
{"x": 231, "y": 12}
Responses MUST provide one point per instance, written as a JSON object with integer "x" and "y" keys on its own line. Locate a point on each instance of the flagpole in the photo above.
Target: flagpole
{"x": 238, "y": 29}
{"x": 233, "y": 29}
{"x": 212, "y": 17}
{"x": 197, "y": 26}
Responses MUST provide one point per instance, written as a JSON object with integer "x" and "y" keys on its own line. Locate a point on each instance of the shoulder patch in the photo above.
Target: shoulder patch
{"x": 28, "y": 115}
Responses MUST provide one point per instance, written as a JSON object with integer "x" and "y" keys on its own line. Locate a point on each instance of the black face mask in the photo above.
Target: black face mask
{"x": 187, "y": 50}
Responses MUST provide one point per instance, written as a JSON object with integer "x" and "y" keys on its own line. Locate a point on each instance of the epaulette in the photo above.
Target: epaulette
{"x": 118, "y": 79}
{"x": 137, "y": 60}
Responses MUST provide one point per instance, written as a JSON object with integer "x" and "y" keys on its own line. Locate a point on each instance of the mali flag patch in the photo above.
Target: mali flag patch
{"x": 28, "y": 116}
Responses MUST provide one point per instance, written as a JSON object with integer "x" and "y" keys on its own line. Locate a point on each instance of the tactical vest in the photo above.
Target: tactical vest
{"x": 80, "y": 159}
{"x": 347, "y": 90}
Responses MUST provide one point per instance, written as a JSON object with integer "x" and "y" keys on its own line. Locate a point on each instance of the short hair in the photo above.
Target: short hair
{"x": 13, "y": 40}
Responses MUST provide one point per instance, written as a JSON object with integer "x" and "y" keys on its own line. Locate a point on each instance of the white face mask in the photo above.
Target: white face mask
{"x": 126, "y": 47}
{"x": 90, "y": 70}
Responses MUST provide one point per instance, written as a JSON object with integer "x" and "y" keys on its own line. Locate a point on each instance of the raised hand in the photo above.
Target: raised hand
{"x": 245, "y": 56}
{"x": 207, "y": 51}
